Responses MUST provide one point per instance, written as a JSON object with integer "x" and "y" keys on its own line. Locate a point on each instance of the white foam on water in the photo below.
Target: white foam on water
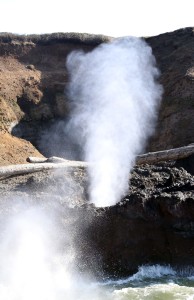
{"x": 155, "y": 271}
{"x": 144, "y": 272}
{"x": 169, "y": 291}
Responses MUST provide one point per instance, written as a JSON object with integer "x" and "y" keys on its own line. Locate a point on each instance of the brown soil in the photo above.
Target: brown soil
{"x": 15, "y": 79}
{"x": 14, "y": 150}
{"x": 32, "y": 81}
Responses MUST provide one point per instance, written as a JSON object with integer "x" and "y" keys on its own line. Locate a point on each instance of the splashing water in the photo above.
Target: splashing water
{"x": 29, "y": 265}
{"x": 153, "y": 282}
{"x": 34, "y": 264}
{"x": 114, "y": 100}
{"x": 33, "y": 267}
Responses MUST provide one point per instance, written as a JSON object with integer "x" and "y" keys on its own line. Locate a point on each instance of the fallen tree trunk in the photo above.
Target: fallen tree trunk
{"x": 13, "y": 170}
{"x": 53, "y": 159}
{"x": 41, "y": 164}
{"x": 171, "y": 154}
{"x": 148, "y": 158}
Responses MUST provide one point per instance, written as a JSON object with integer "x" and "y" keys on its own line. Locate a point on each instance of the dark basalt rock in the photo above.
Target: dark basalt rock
{"x": 152, "y": 224}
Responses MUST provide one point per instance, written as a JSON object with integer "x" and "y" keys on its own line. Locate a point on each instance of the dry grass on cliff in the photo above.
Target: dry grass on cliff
{"x": 59, "y": 37}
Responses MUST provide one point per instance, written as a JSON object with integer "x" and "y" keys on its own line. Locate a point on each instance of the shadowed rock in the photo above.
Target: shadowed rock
{"x": 152, "y": 224}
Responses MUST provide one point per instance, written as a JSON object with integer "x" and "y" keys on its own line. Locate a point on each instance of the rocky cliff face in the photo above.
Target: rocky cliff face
{"x": 175, "y": 58}
{"x": 33, "y": 78}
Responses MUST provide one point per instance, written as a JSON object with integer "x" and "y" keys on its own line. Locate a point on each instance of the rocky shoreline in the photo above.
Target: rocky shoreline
{"x": 153, "y": 224}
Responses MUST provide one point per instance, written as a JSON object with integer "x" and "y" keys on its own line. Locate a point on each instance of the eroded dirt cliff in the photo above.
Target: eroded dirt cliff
{"x": 33, "y": 76}
{"x": 33, "y": 73}
{"x": 33, "y": 79}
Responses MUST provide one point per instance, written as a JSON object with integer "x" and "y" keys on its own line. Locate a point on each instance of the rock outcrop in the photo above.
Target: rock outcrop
{"x": 175, "y": 58}
{"x": 153, "y": 224}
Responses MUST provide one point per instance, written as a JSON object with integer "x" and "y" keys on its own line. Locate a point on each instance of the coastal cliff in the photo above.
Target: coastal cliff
{"x": 153, "y": 223}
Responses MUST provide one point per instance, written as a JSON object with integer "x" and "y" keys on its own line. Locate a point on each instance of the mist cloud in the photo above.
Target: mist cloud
{"x": 114, "y": 98}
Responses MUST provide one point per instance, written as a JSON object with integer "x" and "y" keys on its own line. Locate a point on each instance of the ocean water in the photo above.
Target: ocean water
{"x": 153, "y": 282}
{"x": 33, "y": 266}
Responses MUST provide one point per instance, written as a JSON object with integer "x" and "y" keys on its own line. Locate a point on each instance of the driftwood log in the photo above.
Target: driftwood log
{"x": 165, "y": 155}
{"x": 13, "y": 170}
{"x": 53, "y": 159}
{"x": 41, "y": 164}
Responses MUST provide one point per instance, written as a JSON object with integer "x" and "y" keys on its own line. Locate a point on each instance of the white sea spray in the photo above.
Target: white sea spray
{"x": 114, "y": 102}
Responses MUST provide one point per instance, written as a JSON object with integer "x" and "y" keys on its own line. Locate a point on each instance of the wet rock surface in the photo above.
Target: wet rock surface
{"x": 154, "y": 223}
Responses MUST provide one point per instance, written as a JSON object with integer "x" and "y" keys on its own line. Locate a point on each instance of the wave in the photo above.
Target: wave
{"x": 144, "y": 272}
